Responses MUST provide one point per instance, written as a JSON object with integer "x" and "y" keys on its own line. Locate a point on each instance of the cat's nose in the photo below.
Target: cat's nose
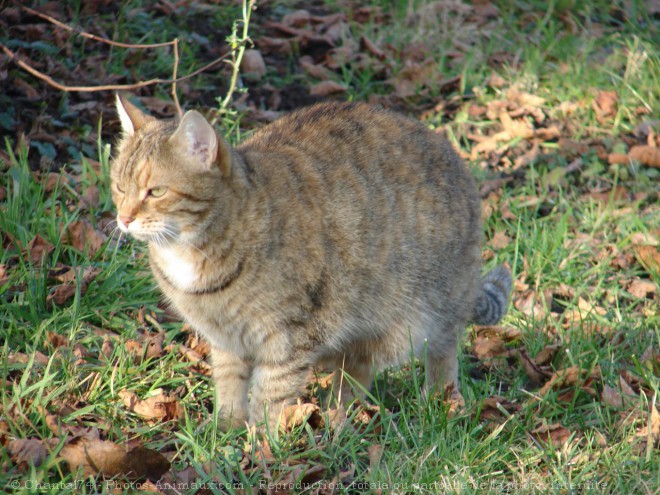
{"x": 126, "y": 220}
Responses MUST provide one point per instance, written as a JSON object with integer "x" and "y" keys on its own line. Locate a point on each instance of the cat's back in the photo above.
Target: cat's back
{"x": 340, "y": 144}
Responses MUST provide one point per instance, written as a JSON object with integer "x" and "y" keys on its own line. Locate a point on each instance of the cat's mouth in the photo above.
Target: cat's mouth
{"x": 155, "y": 232}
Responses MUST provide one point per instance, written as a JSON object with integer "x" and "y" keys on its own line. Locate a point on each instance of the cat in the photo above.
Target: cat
{"x": 340, "y": 235}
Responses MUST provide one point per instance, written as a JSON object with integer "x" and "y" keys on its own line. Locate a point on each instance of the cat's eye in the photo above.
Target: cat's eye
{"x": 119, "y": 189}
{"x": 157, "y": 191}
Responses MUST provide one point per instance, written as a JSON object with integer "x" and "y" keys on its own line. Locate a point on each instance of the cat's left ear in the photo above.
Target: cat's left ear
{"x": 130, "y": 116}
{"x": 197, "y": 138}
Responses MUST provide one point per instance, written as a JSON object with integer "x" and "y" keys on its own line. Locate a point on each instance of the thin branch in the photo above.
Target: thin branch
{"x": 110, "y": 87}
{"x": 174, "y": 74}
{"x": 80, "y": 32}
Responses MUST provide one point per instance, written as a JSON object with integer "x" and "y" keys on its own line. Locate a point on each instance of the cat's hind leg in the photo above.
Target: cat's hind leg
{"x": 275, "y": 384}
{"x": 441, "y": 364}
{"x": 353, "y": 377}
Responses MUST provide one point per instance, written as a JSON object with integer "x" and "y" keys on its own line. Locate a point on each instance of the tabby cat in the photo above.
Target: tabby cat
{"x": 339, "y": 236}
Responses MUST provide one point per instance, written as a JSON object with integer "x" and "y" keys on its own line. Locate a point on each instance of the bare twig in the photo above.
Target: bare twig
{"x": 80, "y": 32}
{"x": 174, "y": 74}
{"x": 110, "y": 87}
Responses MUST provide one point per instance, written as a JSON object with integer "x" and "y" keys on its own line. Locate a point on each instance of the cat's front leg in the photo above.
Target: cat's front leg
{"x": 275, "y": 384}
{"x": 231, "y": 375}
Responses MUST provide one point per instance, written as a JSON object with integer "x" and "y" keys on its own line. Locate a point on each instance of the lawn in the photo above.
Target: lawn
{"x": 554, "y": 106}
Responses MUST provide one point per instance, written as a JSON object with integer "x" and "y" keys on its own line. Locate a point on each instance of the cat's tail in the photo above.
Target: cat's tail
{"x": 493, "y": 297}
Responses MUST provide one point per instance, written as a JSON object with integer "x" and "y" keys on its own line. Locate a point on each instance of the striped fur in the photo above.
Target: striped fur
{"x": 338, "y": 236}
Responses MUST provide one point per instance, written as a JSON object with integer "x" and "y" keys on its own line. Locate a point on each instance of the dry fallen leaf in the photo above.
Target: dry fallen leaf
{"x": 159, "y": 407}
{"x": 38, "y": 249}
{"x": 605, "y": 105}
{"x": 61, "y": 293}
{"x": 298, "y": 414}
{"x": 27, "y": 452}
{"x": 499, "y": 241}
{"x": 651, "y": 430}
{"x": 327, "y": 88}
{"x": 536, "y": 374}
{"x": 641, "y": 288}
{"x": 649, "y": 257}
{"x": 646, "y": 155}
{"x": 84, "y": 237}
{"x": 365, "y": 414}
{"x": 554, "y": 434}
{"x": 101, "y": 457}
{"x": 573, "y": 376}
{"x": 147, "y": 346}
{"x": 491, "y": 409}
{"x": 618, "y": 398}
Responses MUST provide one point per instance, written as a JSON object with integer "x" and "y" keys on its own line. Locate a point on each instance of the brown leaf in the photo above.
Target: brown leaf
{"x": 61, "y": 293}
{"x": 84, "y": 237}
{"x": 90, "y": 197}
{"x": 159, "y": 407}
{"x": 554, "y": 434}
{"x": 147, "y": 346}
{"x": 605, "y": 105}
{"x": 298, "y": 414}
{"x": 367, "y": 45}
{"x": 486, "y": 349}
{"x": 365, "y": 414}
{"x": 641, "y": 288}
{"x": 298, "y": 18}
{"x": 490, "y": 410}
{"x": 649, "y": 257}
{"x": 499, "y": 241}
{"x": 618, "y": 158}
{"x": 573, "y": 376}
{"x": 19, "y": 357}
{"x": 56, "y": 340}
{"x": 101, "y": 457}
{"x": 516, "y": 128}
{"x": 313, "y": 70}
{"x": 38, "y": 249}
{"x": 415, "y": 75}
{"x": 27, "y": 452}
{"x": 107, "y": 348}
{"x": 611, "y": 397}
{"x": 269, "y": 45}
{"x": 536, "y": 374}
{"x": 522, "y": 98}
{"x": 546, "y": 354}
{"x": 652, "y": 428}
{"x": 646, "y": 155}
{"x": 375, "y": 452}
{"x": 4, "y": 274}
{"x": 583, "y": 310}
{"x": 327, "y": 88}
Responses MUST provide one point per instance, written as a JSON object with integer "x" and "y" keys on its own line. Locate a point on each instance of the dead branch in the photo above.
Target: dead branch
{"x": 110, "y": 87}
{"x": 84, "y": 34}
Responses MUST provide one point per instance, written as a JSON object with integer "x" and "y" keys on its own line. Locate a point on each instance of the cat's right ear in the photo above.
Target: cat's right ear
{"x": 130, "y": 116}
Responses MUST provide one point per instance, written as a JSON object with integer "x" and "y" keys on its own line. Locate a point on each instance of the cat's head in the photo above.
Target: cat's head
{"x": 165, "y": 175}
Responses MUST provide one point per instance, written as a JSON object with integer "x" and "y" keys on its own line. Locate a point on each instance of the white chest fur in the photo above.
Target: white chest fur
{"x": 181, "y": 272}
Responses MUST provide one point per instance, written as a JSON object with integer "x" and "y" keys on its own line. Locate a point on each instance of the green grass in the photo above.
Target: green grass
{"x": 561, "y": 237}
